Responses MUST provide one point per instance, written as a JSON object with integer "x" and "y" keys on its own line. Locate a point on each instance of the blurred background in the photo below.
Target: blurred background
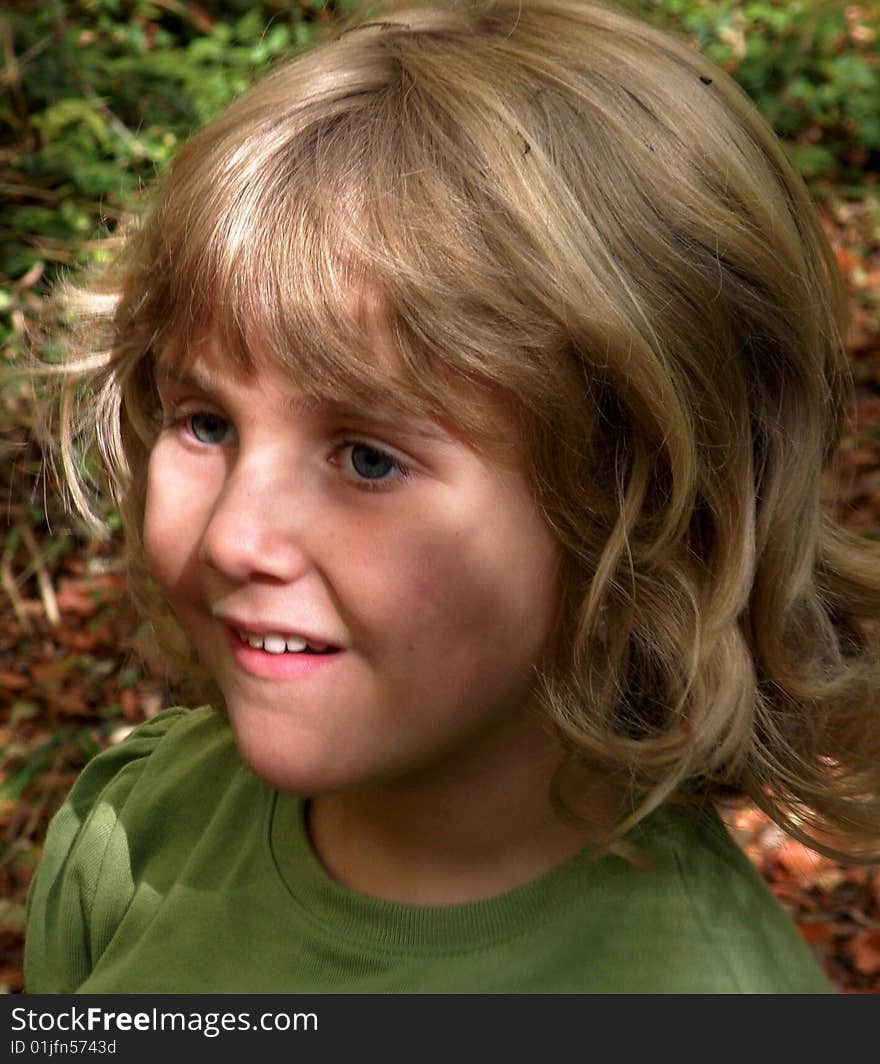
{"x": 95, "y": 98}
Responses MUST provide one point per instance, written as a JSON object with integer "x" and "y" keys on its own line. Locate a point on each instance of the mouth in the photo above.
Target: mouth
{"x": 271, "y": 660}
{"x": 278, "y": 644}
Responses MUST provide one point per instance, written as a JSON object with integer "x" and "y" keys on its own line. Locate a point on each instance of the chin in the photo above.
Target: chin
{"x": 286, "y": 758}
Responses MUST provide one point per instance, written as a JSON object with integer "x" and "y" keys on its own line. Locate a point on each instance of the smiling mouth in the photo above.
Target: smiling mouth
{"x": 276, "y": 644}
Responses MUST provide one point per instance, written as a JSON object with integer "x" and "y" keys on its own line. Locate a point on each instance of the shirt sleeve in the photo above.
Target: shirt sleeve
{"x": 83, "y": 884}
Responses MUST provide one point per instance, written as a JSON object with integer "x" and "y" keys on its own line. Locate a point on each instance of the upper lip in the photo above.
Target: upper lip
{"x": 280, "y": 628}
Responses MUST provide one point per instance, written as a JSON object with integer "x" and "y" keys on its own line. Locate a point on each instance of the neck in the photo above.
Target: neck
{"x": 452, "y": 837}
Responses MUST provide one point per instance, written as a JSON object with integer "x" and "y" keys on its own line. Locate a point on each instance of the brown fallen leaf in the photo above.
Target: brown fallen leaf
{"x": 864, "y": 949}
{"x": 817, "y": 934}
{"x": 129, "y": 701}
{"x": 12, "y": 681}
{"x": 76, "y": 640}
{"x": 801, "y": 863}
{"x": 48, "y": 675}
{"x": 848, "y": 260}
{"x": 73, "y": 597}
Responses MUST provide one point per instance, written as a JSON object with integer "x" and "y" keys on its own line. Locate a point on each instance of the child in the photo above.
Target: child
{"x": 466, "y": 393}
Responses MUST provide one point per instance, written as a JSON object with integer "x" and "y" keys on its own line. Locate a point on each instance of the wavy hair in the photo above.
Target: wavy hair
{"x": 569, "y": 208}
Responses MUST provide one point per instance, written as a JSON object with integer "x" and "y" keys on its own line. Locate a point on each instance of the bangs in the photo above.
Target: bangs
{"x": 274, "y": 274}
{"x": 339, "y": 248}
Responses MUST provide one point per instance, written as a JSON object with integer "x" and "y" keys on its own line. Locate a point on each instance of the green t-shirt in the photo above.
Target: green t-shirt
{"x": 171, "y": 868}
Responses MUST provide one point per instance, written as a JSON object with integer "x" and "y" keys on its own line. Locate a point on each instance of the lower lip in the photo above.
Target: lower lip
{"x": 278, "y": 666}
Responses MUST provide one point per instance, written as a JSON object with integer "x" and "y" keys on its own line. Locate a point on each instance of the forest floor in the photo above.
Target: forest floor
{"x": 70, "y": 682}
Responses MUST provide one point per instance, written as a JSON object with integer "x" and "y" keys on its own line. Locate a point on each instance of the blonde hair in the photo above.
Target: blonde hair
{"x": 562, "y": 205}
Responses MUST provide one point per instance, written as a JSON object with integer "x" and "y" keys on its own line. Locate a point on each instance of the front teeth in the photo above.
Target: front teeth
{"x": 272, "y": 642}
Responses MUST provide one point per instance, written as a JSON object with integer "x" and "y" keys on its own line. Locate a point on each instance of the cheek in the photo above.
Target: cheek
{"x": 403, "y": 583}
{"x": 477, "y": 589}
{"x": 170, "y": 518}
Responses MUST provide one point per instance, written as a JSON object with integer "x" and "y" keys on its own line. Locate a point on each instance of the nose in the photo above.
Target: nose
{"x": 255, "y": 529}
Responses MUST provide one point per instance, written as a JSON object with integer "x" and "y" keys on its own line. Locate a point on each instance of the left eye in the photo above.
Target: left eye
{"x": 370, "y": 463}
{"x": 374, "y": 469}
{"x": 207, "y": 428}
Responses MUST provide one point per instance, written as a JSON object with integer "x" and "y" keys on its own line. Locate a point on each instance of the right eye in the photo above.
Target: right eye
{"x": 204, "y": 427}
{"x": 208, "y": 428}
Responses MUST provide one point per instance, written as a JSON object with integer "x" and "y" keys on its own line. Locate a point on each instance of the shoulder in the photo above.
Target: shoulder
{"x": 123, "y": 801}
{"x": 159, "y": 755}
{"x": 731, "y": 933}
{"x": 145, "y": 748}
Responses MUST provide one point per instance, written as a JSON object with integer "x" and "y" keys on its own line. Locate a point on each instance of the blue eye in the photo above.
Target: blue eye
{"x": 206, "y": 427}
{"x": 370, "y": 463}
{"x": 374, "y": 468}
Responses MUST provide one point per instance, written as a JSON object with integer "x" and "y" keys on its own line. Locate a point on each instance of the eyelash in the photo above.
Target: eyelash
{"x": 181, "y": 419}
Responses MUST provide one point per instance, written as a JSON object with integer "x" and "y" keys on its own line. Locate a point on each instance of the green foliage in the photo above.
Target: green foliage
{"x": 811, "y": 66}
{"x": 21, "y": 762}
{"x": 99, "y": 94}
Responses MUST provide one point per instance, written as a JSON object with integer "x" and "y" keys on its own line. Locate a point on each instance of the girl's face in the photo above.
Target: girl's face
{"x": 425, "y": 567}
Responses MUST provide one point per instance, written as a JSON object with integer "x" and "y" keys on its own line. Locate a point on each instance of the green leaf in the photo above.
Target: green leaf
{"x": 812, "y": 160}
{"x": 23, "y": 711}
{"x": 13, "y": 915}
{"x": 73, "y": 112}
{"x": 12, "y": 788}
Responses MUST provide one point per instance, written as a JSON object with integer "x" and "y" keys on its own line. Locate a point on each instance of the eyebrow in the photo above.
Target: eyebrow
{"x": 388, "y": 416}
